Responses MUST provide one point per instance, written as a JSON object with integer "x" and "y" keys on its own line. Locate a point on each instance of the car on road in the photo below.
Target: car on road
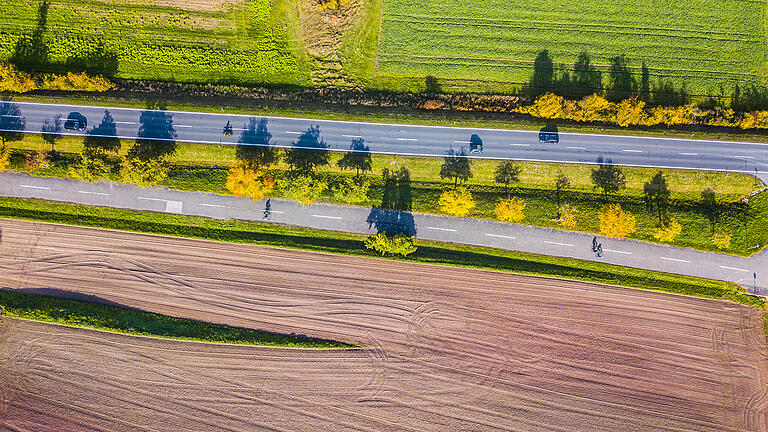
{"x": 475, "y": 144}
{"x": 549, "y": 137}
{"x": 76, "y": 121}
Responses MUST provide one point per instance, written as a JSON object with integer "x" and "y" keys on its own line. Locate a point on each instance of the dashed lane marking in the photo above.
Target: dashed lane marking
{"x": 324, "y": 216}
{"x": 688, "y": 154}
{"x": 558, "y": 243}
{"x": 213, "y": 205}
{"x": 576, "y": 148}
{"x": 351, "y": 136}
{"x": 293, "y": 133}
{"x": 93, "y": 193}
{"x": 150, "y": 199}
{"x": 407, "y": 139}
{"x": 733, "y": 268}
{"x": 441, "y": 229}
{"x": 520, "y": 145}
{"x": 500, "y": 236}
{"x": 674, "y": 259}
{"x": 34, "y": 187}
{"x": 617, "y": 251}
{"x": 632, "y": 151}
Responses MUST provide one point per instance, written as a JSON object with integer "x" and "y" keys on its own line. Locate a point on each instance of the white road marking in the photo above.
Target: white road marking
{"x": 744, "y": 157}
{"x": 183, "y": 126}
{"x": 559, "y": 244}
{"x": 632, "y": 151}
{"x": 351, "y": 136}
{"x": 617, "y": 251}
{"x": 576, "y": 148}
{"x": 441, "y": 229}
{"x": 500, "y": 236}
{"x": 150, "y": 199}
{"x": 34, "y": 187}
{"x": 520, "y": 145}
{"x": 674, "y": 259}
{"x": 117, "y": 122}
{"x": 173, "y": 206}
{"x": 294, "y": 133}
{"x": 462, "y": 142}
{"x": 275, "y": 211}
{"x": 733, "y": 268}
{"x": 213, "y": 205}
{"x": 93, "y": 193}
{"x": 689, "y": 154}
{"x": 326, "y": 217}
{"x": 407, "y": 139}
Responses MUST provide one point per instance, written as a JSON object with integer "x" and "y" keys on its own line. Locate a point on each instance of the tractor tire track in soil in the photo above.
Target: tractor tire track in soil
{"x": 443, "y": 348}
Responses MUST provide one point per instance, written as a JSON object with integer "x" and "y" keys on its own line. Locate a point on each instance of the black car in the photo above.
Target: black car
{"x": 549, "y": 137}
{"x": 76, "y": 121}
{"x": 475, "y": 144}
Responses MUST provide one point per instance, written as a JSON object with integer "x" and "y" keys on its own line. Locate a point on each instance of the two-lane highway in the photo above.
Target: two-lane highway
{"x": 207, "y": 128}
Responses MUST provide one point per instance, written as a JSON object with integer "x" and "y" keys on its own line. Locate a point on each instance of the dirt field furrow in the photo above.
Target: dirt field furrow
{"x": 442, "y": 348}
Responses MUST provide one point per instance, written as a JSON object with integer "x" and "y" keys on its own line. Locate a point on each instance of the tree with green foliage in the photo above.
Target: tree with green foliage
{"x": 104, "y": 136}
{"x": 51, "y": 130}
{"x": 93, "y": 165}
{"x": 253, "y": 147}
{"x": 145, "y": 172}
{"x": 711, "y": 207}
{"x": 608, "y": 177}
{"x": 308, "y": 152}
{"x": 507, "y": 173}
{"x": 561, "y": 182}
{"x": 358, "y": 158}
{"x": 657, "y": 195}
{"x": 352, "y": 190}
{"x": 456, "y": 166}
{"x": 303, "y": 188}
{"x": 391, "y": 245}
{"x": 12, "y": 123}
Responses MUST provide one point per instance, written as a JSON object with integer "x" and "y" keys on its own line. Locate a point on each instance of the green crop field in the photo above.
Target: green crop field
{"x": 702, "y": 44}
{"x": 243, "y": 41}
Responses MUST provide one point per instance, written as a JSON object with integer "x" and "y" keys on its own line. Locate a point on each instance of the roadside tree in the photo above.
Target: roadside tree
{"x": 93, "y": 165}
{"x": 391, "y": 245}
{"x": 358, "y": 158}
{"x": 5, "y": 157}
{"x": 608, "y": 177}
{"x": 721, "y": 239}
{"x": 566, "y": 216}
{"x": 245, "y": 181}
{"x": 511, "y": 210}
{"x": 51, "y": 130}
{"x": 615, "y": 222}
{"x": 303, "y": 188}
{"x": 353, "y": 191}
{"x": 668, "y": 231}
{"x": 308, "y": 152}
{"x": 507, "y": 173}
{"x": 456, "y": 202}
{"x": 657, "y": 195}
{"x": 456, "y": 166}
{"x": 144, "y": 172}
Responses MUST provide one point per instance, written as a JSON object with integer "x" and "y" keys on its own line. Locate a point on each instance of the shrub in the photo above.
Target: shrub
{"x": 304, "y": 189}
{"x": 144, "y": 172}
{"x": 668, "y": 232}
{"x": 243, "y": 181}
{"x": 548, "y": 106}
{"x": 352, "y": 191}
{"x": 615, "y": 222}
{"x": 13, "y": 80}
{"x": 456, "y": 202}
{"x": 593, "y": 108}
{"x": 37, "y": 160}
{"x": 630, "y": 112}
{"x": 5, "y": 157}
{"x": 93, "y": 165}
{"x": 511, "y": 210}
{"x": 79, "y": 82}
{"x": 721, "y": 239}
{"x": 566, "y": 216}
{"x": 391, "y": 245}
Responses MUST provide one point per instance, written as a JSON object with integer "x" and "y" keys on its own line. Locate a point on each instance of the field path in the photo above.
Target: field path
{"x": 443, "y": 348}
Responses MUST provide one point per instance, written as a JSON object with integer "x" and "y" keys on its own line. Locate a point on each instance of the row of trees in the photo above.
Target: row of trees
{"x": 13, "y": 80}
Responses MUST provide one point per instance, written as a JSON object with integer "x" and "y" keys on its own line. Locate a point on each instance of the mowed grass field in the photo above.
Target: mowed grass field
{"x": 702, "y": 44}
{"x": 242, "y": 41}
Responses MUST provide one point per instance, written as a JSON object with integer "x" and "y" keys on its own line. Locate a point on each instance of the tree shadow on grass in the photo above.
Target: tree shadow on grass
{"x": 393, "y": 216}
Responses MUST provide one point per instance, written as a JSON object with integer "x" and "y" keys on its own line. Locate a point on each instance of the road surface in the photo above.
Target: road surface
{"x": 443, "y": 348}
{"x": 436, "y": 140}
{"x": 752, "y": 273}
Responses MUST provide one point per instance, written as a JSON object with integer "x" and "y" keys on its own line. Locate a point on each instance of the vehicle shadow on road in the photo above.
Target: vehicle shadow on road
{"x": 393, "y": 216}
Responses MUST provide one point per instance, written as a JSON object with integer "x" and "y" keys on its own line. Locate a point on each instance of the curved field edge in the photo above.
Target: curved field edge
{"x": 118, "y": 319}
{"x": 289, "y": 237}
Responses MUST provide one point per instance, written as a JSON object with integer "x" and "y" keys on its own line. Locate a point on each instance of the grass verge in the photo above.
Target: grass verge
{"x": 135, "y": 322}
{"x": 352, "y": 244}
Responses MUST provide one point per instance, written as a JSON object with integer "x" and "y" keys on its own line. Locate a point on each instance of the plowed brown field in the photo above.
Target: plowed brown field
{"x": 443, "y": 348}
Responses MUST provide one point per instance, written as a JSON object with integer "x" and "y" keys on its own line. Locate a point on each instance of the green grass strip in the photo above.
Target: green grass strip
{"x": 352, "y": 244}
{"x": 118, "y": 319}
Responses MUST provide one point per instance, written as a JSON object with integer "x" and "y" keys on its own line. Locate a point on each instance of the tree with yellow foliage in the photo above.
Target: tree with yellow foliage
{"x": 593, "y": 108}
{"x": 5, "y": 157}
{"x": 548, "y": 106}
{"x": 79, "y": 82}
{"x": 243, "y": 181}
{"x": 511, "y": 210}
{"x": 566, "y": 216}
{"x": 668, "y": 232}
{"x": 721, "y": 239}
{"x": 15, "y": 81}
{"x": 456, "y": 202}
{"x": 630, "y": 112}
{"x": 615, "y": 222}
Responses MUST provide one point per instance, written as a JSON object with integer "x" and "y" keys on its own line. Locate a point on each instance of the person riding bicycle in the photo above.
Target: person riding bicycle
{"x": 227, "y": 129}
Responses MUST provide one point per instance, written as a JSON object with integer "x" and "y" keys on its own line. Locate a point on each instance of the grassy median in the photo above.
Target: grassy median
{"x": 352, "y": 244}
{"x": 131, "y": 321}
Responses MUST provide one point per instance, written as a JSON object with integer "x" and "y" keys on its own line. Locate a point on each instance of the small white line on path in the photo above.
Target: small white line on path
{"x": 34, "y": 187}
{"x": 351, "y": 136}
{"x": 294, "y": 133}
{"x": 326, "y": 217}
{"x": 744, "y": 157}
{"x": 520, "y": 145}
{"x": 213, "y": 205}
{"x": 576, "y": 148}
{"x": 150, "y": 199}
{"x": 182, "y": 126}
{"x": 618, "y": 251}
{"x": 441, "y": 229}
{"x": 500, "y": 236}
{"x": 93, "y": 193}
{"x": 733, "y": 268}
{"x": 117, "y": 122}
{"x": 675, "y": 260}
{"x": 689, "y": 154}
{"x": 632, "y": 151}
{"x": 407, "y": 139}
{"x": 558, "y": 243}
{"x": 462, "y": 142}
{"x": 275, "y": 211}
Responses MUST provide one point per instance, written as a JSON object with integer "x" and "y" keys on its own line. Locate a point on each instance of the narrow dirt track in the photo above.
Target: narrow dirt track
{"x": 444, "y": 348}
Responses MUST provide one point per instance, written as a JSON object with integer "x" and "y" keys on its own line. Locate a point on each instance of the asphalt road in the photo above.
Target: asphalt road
{"x": 435, "y": 141}
{"x": 752, "y": 273}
